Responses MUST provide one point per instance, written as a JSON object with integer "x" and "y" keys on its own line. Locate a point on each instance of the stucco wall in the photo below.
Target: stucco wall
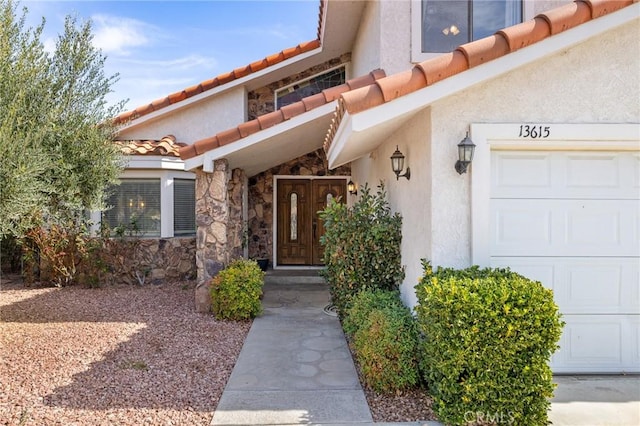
{"x": 198, "y": 121}
{"x": 595, "y": 82}
{"x": 395, "y": 36}
{"x": 365, "y": 55}
{"x": 411, "y": 198}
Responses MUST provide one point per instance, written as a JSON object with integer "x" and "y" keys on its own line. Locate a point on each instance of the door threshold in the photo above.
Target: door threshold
{"x": 297, "y": 268}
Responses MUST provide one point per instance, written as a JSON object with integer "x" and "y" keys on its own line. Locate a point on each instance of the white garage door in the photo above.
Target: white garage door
{"x": 571, "y": 219}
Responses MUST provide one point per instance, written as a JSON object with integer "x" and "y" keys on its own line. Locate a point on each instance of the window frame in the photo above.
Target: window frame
{"x": 311, "y": 77}
{"x": 183, "y": 233}
{"x": 166, "y": 198}
{"x": 417, "y": 55}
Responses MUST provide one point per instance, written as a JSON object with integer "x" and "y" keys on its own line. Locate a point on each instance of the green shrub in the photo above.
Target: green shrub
{"x": 361, "y": 247}
{"x": 385, "y": 341}
{"x": 488, "y": 336}
{"x": 236, "y": 291}
{"x": 363, "y": 304}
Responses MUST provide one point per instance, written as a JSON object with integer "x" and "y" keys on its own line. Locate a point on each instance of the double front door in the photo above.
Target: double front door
{"x": 298, "y": 226}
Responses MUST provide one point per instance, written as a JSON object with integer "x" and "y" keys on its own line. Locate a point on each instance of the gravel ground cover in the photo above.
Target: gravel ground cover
{"x": 126, "y": 355}
{"x": 117, "y": 355}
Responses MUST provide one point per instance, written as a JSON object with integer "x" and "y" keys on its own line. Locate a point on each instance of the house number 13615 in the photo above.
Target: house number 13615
{"x": 535, "y": 132}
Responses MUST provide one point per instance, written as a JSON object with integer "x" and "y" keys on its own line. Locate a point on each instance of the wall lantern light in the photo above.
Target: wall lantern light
{"x": 397, "y": 164}
{"x": 351, "y": 187}
{"x": 466, "y": 147}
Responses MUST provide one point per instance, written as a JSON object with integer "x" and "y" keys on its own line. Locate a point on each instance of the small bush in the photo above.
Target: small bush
{"x": 361, "y": 247}
{"x": 61, "y": 251}
{"x": 385, "y": 341}
{"x": 488, "y": 337}
{"x": 363, "y": 304}
{"x": 236, "y": 291}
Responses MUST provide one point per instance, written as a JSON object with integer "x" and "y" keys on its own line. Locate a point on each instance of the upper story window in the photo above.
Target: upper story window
{"x": 310, "y": 86}
{"x": 446, "y": 24}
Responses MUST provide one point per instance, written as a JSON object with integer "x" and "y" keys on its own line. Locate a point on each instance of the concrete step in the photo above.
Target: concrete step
{"x": 293, "y": 276}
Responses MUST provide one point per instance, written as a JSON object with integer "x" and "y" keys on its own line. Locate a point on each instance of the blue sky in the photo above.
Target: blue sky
{"x": 159, "y": 47}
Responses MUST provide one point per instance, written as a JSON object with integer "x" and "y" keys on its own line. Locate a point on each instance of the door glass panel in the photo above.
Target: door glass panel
{"x": 294, "y": 217}
{"x": 329, "y": 198}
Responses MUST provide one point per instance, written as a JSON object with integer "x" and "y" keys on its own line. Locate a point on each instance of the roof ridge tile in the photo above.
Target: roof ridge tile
{"x": 485, "y": 49}
{"x": 526, "y": 33}
{"x": 567, "y": 16}
{"x": 167, "y": 146}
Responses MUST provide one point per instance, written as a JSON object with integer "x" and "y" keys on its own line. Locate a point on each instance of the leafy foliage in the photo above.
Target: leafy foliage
{"x": 361, "y": 247}
{"x": 56, "y": 150}
{"x": 236, "y": 291}
{"x": 65, "y": 252}
{"x": 364, "y": 303}
{"x": 488, "y": 336}
{"x": 385, "y": 340}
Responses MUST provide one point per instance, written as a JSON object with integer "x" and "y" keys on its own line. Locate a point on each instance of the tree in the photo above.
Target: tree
{"x": 56, "y": 150}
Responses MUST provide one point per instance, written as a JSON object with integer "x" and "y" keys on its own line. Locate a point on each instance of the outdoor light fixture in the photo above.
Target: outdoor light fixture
{"x": 397, "y": 164}
{"x": 466, "y": 147}
{"x": 351, "y": 187}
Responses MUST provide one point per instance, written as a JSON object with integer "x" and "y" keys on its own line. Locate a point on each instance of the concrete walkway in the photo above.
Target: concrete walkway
{"x": 295, "y": 366}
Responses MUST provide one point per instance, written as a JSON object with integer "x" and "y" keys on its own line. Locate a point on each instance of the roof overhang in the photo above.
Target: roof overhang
{"x": 338, "y": 32}
{"x": 152, "y": 162}
{"x": 359, "y": 134}
{"x": 273, "y": 146}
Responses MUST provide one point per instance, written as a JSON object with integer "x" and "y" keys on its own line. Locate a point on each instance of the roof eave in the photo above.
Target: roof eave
{"x": 270, "y": 139}
{"x": 361, "y": 133}
{"x": 217, "y": 90}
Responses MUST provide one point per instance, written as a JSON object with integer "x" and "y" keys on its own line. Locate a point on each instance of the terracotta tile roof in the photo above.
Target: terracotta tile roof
{"x": 276, "y": 117}
{"x": 470, "y": 55}
{"x": 226, "y": 77}
{"x": 167, "y": 146}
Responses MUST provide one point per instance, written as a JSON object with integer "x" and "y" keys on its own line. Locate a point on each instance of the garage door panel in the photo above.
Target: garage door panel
{"x": 525, "y": 169}
{"x": 596, "y": 344}
{"x": 565, "y": 227}
{"x": 571, "y": 220}
{"x": 595, "y": 175}
{"x": 593, "y": 171}
{"x": 593, "y": 285}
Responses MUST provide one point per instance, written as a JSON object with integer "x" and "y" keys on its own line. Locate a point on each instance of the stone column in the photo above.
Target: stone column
{"x": 219, "y": 224}
{"x": 236, "y": 223}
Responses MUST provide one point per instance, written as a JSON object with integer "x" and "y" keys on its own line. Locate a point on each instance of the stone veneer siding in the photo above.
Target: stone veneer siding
{"x": 261, "y": 100}
{"x": 218, "y": 218}
{"x": 260, "y": 219}
{"x": 166, "y": 260}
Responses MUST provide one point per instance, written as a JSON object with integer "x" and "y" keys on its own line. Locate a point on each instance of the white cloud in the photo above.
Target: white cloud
{"x": 172, "y": 65}
{"x": 118, "y": 35}
{"x": 144, "y": 80}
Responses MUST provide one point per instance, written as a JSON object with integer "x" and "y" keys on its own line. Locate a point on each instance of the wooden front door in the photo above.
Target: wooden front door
{"x": 298, "y": 226}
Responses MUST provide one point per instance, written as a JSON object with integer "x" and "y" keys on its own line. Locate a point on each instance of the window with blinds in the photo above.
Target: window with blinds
{"x": 184, "y": 207}
{"x": 135, "y": 203}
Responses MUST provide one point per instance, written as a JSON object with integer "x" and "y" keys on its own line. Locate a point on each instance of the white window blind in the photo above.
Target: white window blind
{"x": 184, "y": 207}
{"x": 135, "y": 203}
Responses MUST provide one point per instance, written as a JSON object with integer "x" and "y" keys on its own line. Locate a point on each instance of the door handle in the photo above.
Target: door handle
{"x": 314, "y": 226}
